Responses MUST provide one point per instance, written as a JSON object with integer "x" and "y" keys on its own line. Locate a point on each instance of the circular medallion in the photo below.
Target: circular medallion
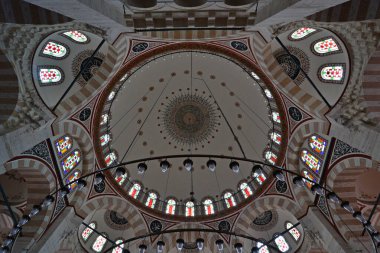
{"x": 293, "y": 62}
{"x": 224, "y": 226}
{"x": 90, "y": 66}
{"x": 295, "y": 113}
{"x": 239, "y": 45}
{"x": 155, "y": 226}
{"x": 281, "y": 186}
{"x": 99, "y": 188}
{"x": 85, "y": 114}
{"x": 263, "y": 218}
{"x": 117, "y": 219}
{"x": 140, "y": 47}
{"x": 190, "y": 119}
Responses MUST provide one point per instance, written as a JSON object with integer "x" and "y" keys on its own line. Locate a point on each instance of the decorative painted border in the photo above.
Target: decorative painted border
{"x": 69, "y": 38}
{"x": 307, "y": 36}
{"x": 51, "y": 56}
{"x": 332, "y": 64}
{"x": 51, "y": 67}
{"x": 340, "y": 49}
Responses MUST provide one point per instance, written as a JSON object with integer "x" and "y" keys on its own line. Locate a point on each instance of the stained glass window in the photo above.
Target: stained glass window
{"x": 71, "y": 178}
{"x": 311, "y": 161}
{"x": 245, "y": 189}
{"x": 276, "y": 117}
{"x": 121, "y": 179}
{"x": 76, "y": 36}
{"x": 276, "y": 137}
{"x": 263, "y": 249}
{"x": 294, "y": 231}
{"x": 208, "y": 207}
{"x": 302, "y": 32}
{"x": 104, "y": 139}
{"x": 259, "y": 177}
{"x": 118, "y": 249}
{"x": 111, "y": 95}
{"x": 318, "y": 144}
{"x": 135, "y": 190}
{"x": 189, "y": 209}
{"x": 170, "y": 206}
{"x": 268, "y": 93}
{"x": 308, "y": 176}
{"x": 332, "y": 73}
{"x": 63, "y": 145}
{"x": 99, "y": 243}
{"x": 55, "y": 50}
{"x": 255, "y": 76}
{"x": 281, "y": 243}
{"x": 270, "y": 157}
{"x": 326, "y": 46}
{"x": 151, "y": 200}
{"x": 229, "y": 199}
{"x": 50, "y": 75}
{"x": 110, "y": 158}
{"x": 88, "y": 231}
{"x": 71, "y": 161}
{"x": 104, "y": 119}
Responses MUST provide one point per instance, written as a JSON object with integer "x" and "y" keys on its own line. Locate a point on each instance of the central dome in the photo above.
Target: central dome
{"x": 186, "y": 103}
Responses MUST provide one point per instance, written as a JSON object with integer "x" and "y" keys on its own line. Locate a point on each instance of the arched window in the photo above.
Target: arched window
{"x": 110, "y": 158}
{"x": 118, "y": 249}
{"x": 255, "y": 75}
{"x": 71, "y": 178}
{"x": 270, "y": 157}
{"x": 294, "y": 231}
{"x": 281, "y": 243}
{"x": 311, "y": 161}
{"x": 308, "y": 175}
{"x": 48, "y": 76}
{"x": 111, "y": 95}
{"x": 276, "y": 137}
{"x": 302, "y": 32}
{"x": 276, "y": 117}
{"x": 71, "y": 161}
{"x": 54, "y": 50}
{"x": 268, "y": 93}
{"x": 63, "y": 145}
{"x": 318, "y": 144}
{"x": 104, "y": 119}
{"x": 88, "y": 231}
{"x": 121, "y": 179}
{"x": 208, "y": 207}
{"x": 99, "y": 243}
{"x": 151, "y": 200}
{"x": 170, "y": 207}
{"x": 331, "y": 73}
{"x": 259, "y": 177}
{"x": 135, "y": 190}
{"x": 189, "y": 209}
{"x": 76, "y": 36}
{"x": 325, "y": 46}
{"x": 245, "y": 189}
{"x": 262, "y": 249}
{"x": 229, "y": 199}
{"x": 104, "y": 139}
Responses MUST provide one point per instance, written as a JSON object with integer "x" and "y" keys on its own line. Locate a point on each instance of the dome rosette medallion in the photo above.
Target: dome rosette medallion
{"x": 153, "y": 108}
